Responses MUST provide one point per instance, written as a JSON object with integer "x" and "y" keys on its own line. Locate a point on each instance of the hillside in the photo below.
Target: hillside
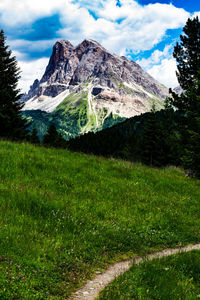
{"x": 65, "y": 216}
{"x": 87, "y": 88}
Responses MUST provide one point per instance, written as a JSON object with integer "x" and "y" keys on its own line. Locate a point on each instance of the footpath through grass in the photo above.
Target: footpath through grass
{"x": 174, "y": 277}
{"x": 64, "y": 216}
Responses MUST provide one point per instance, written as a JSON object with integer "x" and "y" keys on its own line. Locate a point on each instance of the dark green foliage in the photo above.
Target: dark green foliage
{"x": 12, "y": 125}
{"x": 34, "y": 138}
{"x": 191, "y": 156}
{"x": 111, "y": 120}
{"x": 150, "y": 138}
{"x": 107, "y": 142}
{"x": 159, "y": 142}
{"x": 53, "y": 138}
{"x": 38, "y": 118}
{"x": 187, "y": 55}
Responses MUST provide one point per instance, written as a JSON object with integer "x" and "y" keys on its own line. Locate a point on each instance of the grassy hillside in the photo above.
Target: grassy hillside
{"x": 174, "y": 277}
{"x": 64, "y": 216}
{"x": 72, "y": 117}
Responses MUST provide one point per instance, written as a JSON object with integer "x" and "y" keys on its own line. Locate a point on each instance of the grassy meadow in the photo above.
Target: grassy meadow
{"x": 72, "y": 117}
{"x": 174, "y": 277}
{"x": 65, "y": 216}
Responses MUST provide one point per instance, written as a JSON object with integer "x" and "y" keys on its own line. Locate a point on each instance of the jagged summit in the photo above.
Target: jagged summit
{"x": 89, "y": 43}
{"x": 65, "y": 43}
{"x": 113, "y": 84}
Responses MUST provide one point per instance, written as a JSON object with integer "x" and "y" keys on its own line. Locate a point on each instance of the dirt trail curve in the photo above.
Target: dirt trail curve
{"x": 92, "y": 288}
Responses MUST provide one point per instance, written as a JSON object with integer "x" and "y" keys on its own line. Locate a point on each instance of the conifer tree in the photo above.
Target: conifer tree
{"x": 187, "y": 55}
{"x": 53, "y": 138}
{"x": 12, "y": 125}
{"x": 34, "y": 138}
{"x": 151, "y": 140}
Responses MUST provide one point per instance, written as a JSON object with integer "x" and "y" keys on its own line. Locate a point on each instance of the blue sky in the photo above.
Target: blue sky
{"x": 143, "y": 30}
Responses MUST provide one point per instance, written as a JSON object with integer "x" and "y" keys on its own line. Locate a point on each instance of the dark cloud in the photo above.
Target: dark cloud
{"x": 42, "y": 29}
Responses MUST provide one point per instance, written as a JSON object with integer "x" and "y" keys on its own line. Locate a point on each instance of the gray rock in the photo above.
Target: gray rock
{"x": 75, "y": 68}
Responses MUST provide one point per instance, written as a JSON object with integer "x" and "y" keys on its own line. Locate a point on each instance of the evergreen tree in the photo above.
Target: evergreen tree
{"x": 12, "y": 125}
{"x": 53, "y": 138}
{"x": 148, "y": 145}
{"x": 187, "y": 54}
{"x": 34, "y": 138}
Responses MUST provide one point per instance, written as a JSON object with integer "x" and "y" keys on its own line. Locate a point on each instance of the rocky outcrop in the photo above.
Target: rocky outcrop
{"x": 32, "y": 92}
{"x": 59, "y": 70}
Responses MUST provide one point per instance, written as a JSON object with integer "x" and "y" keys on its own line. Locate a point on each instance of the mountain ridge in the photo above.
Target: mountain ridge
{"x": 111, "y": 85}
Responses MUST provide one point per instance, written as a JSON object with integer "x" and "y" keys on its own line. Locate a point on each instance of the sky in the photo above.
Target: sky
{"x": 145, "y": 31}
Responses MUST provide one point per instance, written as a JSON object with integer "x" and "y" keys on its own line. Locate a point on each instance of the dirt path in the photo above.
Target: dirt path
{"x": 92, "y": 288}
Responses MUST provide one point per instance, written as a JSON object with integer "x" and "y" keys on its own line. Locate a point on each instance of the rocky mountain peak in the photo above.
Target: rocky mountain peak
{"x": 90, "y": 44}
{"x": 64, "y": 43}
{"x": 61, "y": 52}
{"x": 113, "y": 83}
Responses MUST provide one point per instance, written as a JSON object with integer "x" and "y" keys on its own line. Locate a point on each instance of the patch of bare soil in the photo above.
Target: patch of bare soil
{"x": 92, "y": 288}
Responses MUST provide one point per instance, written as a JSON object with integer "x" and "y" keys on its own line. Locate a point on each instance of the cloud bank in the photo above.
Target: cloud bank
{"x": 124, "y": 29}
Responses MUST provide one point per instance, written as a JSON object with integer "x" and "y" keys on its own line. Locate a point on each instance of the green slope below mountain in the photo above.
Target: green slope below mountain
{"x": 74, "y": 116}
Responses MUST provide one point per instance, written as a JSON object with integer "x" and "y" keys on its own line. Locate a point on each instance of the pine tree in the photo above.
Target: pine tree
{"x": 149, "y": 149}
{"x": 53, "y": 138}
{"x": 187, "y": 55}
{"x": 12, "y": 125}
{"x": 191, "y": 156}
{"x": 34, "y": 138}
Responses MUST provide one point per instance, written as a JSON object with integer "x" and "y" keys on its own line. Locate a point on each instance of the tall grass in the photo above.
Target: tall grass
{"x": 64, "y": 216}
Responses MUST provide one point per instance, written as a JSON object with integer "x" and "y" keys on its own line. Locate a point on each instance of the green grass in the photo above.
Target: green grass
{"x": 71, "y": 114}
{"x": 65, "y": 215}
{"x": 174, "y": 277}
{"x": 71, "y": 117}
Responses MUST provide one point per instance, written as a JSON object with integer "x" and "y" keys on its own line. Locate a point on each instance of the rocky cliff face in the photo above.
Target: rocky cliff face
{"x": 110, "y": 84}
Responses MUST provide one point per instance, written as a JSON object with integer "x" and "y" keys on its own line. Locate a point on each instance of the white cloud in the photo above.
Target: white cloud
{"x": 162, "y": 66}
{"x": 36, "y": 46}
{"x": 165, "y": 72}
{"x": 15, "y": 12}
{"x": 156, "y": 57}
{"x": 30, "y": 71}
{"x": 131, "y": 26}
{"x": 141, "y": 27}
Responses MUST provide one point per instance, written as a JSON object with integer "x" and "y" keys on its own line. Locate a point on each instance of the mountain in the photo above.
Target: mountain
{"x": 87, "y": 88}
